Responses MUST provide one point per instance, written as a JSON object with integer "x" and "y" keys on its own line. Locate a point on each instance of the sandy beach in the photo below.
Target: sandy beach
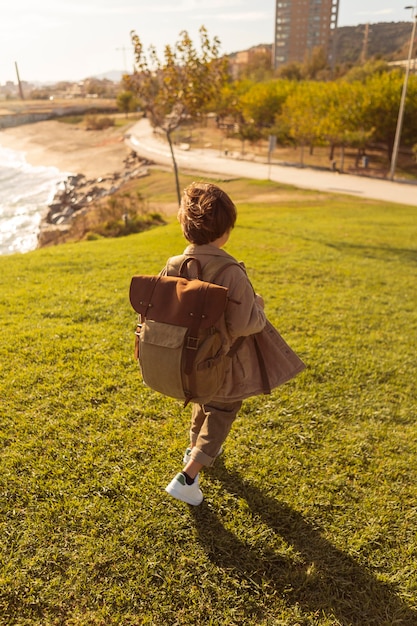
{"x": 68, "y": 147}
{"x": 100, "y": 162}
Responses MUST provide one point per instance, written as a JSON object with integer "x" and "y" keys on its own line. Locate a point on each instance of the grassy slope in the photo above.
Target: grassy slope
{"x": 309, "y": 518}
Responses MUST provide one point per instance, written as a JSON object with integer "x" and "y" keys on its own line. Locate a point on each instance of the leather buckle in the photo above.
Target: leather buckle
{"x": 192, "y": 343}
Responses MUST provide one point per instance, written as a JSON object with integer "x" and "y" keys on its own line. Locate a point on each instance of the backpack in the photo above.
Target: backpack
{"x": 178, "y": 343}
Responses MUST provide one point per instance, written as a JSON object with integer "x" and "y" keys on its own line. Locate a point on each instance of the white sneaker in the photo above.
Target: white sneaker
{"x": 178, "y": 488}
{"x": 187, "y": 454}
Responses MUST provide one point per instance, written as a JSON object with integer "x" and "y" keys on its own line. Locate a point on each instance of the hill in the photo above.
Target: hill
{"x": 387, "y": 40}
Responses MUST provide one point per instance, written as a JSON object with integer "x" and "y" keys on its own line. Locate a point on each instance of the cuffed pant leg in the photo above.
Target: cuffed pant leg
{"x": 214, "y": 428}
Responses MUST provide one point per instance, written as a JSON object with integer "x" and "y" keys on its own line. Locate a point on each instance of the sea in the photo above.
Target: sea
{"x": 25, "y": 193}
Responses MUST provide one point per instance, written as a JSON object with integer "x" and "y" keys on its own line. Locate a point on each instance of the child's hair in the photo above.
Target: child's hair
{"x": 206, "y": 213}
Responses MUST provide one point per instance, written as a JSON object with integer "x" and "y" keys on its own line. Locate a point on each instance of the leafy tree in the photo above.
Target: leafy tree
{"x": 314, "y": 67}
{"x": 183, "y": 85}
{"x": 303, "y": 114}
{"x": 291, "y": 71}
{"x": 381, "y": 111}
{"x": 262, "y": 102}
{"x": 247, "y": 132}
{"x": 127, "y": 102}
{"x": 259, "y": 106}
{"x": 363, "y": 72}
{"x": 343, "y": 113}
{"x": 227, "y": 103}
{"x": 343, "y": 122}
{"x": 315, "y": 64}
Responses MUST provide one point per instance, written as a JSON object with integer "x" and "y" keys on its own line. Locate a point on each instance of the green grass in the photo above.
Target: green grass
{"x": 310, "y": 517}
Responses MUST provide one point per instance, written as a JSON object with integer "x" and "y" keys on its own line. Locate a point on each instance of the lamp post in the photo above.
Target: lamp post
{"x": 403, "y": 97}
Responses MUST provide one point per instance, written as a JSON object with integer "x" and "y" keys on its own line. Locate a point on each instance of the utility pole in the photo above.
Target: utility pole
{"x": 365, "y": 44}
{"x": 403, "y": 97}
{"x": 22, "y": 97}
{"x": 123, "y": 49}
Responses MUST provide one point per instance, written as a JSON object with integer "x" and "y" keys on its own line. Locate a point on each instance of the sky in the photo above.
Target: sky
{"x": 53, "y": 40}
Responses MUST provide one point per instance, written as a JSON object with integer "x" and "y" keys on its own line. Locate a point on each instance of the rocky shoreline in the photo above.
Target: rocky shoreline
{"x": 78, "y": 194}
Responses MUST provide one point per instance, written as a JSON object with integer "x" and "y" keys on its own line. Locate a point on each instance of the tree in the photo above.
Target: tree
{"x": 342, "y": 116}
{"x": 258, "y": 106}
{"x": 291, "y": 71}
{"x": 328, "y": 113}
{"x": 315, "y": 64}
{"x": 383, "y": 105}
{"x": 262, "y": 102}
{"x": 126, "y": 102}
{"x": 303, "y": 113}
{"x": 181, "y": 86}
{"x": 363, "y": 72}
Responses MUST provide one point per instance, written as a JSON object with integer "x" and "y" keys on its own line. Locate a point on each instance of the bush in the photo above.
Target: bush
{"x": 123, "y": 214}
{"x": 98, "y": 123}
{"x": 127, "y": 225}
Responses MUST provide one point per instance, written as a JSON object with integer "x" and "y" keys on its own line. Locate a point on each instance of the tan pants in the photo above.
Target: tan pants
{"x": 210, "y": 425}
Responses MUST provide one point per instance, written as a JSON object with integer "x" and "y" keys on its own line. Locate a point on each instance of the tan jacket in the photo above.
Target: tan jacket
{"x": 245, "y": 317}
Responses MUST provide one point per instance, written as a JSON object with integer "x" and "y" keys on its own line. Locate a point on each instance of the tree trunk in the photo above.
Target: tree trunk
{"x": 342, "y": 160}
{"x": 177, "y": 182}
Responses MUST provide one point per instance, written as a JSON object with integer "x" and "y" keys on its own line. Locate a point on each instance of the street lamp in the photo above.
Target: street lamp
{"x": 403, "y": 97}
{"x": 124, "y": 56}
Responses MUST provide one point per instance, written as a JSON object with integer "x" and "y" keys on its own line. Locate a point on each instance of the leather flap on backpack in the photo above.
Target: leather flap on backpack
{"x": 178, "y": 301}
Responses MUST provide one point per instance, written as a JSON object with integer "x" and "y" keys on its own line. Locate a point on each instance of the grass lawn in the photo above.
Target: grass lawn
{"x": 309, "y": 517}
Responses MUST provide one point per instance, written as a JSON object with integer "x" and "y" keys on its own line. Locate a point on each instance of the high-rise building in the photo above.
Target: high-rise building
{"x": 301, "y": 26}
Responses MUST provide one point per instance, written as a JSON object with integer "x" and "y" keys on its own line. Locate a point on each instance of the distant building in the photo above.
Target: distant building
{"x": 239, "y": 61}
{"x": 301, "y": 26}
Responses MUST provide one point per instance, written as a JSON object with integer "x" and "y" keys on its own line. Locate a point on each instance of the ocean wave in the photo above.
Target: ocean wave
{"x": 25, "y": 192}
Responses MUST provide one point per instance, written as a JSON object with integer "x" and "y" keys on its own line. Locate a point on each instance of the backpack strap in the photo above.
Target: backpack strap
{"x": 183, "y": 269}
{"x": 191, "y": 343}
{"x": 181, "y": 265}
{"x": 178, "y": 266}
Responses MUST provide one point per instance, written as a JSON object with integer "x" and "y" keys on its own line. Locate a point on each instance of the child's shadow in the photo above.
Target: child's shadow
{"x": 320, "y": 578}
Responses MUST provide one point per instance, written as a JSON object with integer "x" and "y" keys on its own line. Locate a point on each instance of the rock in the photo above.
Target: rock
{"x": 77, "y": 194}
{"x": 52, "y": 235}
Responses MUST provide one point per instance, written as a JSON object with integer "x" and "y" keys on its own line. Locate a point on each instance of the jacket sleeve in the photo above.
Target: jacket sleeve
{"x": 244, "y": 316}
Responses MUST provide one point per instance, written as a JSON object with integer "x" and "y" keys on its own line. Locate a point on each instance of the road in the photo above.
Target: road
{"x": 147, "y": 144}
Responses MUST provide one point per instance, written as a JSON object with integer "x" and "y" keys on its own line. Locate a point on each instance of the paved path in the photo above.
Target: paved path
{"x": 149, "y": 145}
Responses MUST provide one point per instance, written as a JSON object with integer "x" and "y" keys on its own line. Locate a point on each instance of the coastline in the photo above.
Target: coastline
{"x": 69, "y": 148}
{"x": 96, "y": 163}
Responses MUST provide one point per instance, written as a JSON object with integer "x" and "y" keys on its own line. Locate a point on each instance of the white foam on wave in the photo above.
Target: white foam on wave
{"x": 25, "y": 192}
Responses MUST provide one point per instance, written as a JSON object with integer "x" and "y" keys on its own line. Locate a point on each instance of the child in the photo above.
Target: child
{"x": 207, "y": 216}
